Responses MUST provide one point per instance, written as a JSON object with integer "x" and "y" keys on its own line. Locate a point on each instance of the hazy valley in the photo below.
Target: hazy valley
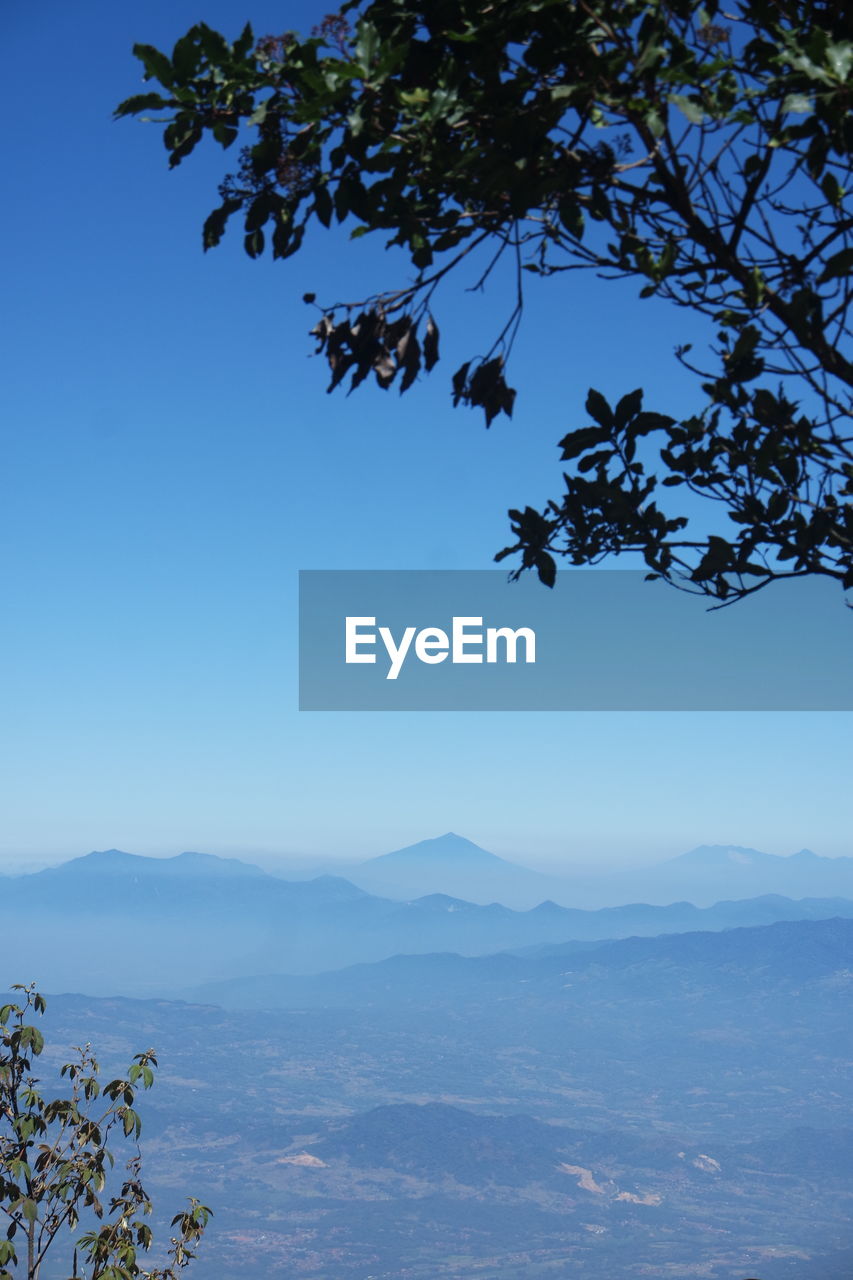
{"x": 369, "y": 1087}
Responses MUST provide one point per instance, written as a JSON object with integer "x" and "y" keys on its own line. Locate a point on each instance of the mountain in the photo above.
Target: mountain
{"x": 447, "y": 848}
{"x": 789, "y": 950}
{"x": 438, "y": 1140}
{"x": 119, "y": 923}
{"x": 451, "y": 864}
{"x": 191, "y": 866}
{"x": 716, "y": 857}
{"x": 710, "y": 872}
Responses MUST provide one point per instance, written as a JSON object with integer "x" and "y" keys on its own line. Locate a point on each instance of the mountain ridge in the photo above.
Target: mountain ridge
{"x": 189, "y": 863}
{"x": 805, "y": 950}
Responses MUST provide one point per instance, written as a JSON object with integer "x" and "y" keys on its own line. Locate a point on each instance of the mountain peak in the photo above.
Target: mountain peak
{"x": 447, "y": 848}
{"x": 719, "y": 855}
{"x": 99, "y": 860}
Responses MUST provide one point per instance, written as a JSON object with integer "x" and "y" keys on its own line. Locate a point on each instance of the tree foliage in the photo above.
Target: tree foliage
{"x": 703, "y": 152}
{"x": 55, "y": 1162}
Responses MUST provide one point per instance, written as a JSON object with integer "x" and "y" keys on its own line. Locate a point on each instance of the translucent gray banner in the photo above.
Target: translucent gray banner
{"x": 601, "y": 640}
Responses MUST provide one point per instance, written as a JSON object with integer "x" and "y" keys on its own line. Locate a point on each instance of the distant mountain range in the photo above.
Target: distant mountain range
{"x": 112, "y": 922}
{"x": 458, "y": 868}
{"x": 713, "y": 871}
{"x": 453, "y": 865}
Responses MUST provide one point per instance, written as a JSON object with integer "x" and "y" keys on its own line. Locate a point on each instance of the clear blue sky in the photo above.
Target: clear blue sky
{"x": 170, "y": 460}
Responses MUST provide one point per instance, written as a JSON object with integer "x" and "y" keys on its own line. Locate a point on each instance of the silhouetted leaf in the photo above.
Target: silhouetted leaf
{"x": 576, "y": 442}
{"x": 430, "y": 344}
{"x": 598, "y": 408}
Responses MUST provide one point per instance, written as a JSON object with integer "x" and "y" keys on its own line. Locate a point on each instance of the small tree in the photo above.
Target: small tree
{"x": 55, "y": 1162}
{"x": 702, "y": 150}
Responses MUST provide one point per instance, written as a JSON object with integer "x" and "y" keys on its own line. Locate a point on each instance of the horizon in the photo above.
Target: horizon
{"x": 268, "y": 860}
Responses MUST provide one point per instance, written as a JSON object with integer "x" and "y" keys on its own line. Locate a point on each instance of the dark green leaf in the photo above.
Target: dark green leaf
{"x": 157, "y": 65}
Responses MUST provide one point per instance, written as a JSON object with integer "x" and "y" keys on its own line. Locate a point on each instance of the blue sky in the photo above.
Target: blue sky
{"x": 169, "y": 462}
